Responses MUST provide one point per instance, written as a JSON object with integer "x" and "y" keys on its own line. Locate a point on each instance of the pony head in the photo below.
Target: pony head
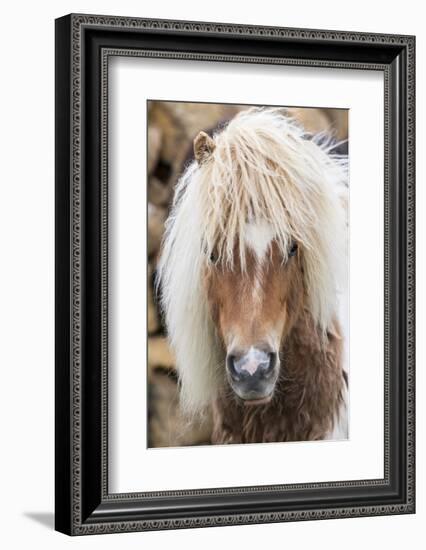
{"x": 256, "y": 237}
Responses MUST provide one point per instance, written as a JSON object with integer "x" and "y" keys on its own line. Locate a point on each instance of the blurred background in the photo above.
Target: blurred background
{"x": 172, "y": 127}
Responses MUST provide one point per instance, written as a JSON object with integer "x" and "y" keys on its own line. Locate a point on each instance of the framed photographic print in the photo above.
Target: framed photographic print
{"x": 234, "y": 274}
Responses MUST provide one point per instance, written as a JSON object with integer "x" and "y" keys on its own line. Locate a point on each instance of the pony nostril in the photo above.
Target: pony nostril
{"x": 233, "y": 368}
{"x": 265, "y": 368}
{"x": 272, "y": 360}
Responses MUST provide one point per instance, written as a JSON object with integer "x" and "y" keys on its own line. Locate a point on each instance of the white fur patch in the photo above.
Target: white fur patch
{"x": 257, "y": 292}
{"x": 252, "y": 360}
{"x": 258, "y": 236}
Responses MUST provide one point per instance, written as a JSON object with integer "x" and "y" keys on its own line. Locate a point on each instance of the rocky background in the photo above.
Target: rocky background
{"x": 172, "y": 127}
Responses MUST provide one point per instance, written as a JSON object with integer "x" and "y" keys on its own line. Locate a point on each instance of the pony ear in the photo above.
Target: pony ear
{"x": 203, "y": 147}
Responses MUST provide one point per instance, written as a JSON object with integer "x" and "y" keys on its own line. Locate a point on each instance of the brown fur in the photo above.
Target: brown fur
{"x": 306, "y": 400}
{"x": 237, "y": 313}
{"x": 308, "y": 392}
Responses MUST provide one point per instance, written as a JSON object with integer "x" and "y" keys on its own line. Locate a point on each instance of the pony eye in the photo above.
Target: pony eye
{"x": 213, "y": 258}
{"x": 293, "y": 250}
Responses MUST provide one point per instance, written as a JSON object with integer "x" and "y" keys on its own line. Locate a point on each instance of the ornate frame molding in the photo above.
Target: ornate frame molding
{"x": 76, "y": 510}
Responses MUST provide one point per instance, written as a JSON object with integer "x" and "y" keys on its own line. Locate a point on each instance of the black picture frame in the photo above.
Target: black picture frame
{"x": 83, "y": 46}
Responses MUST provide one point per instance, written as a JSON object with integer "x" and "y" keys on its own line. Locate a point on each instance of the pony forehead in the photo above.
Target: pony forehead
{"x": 260, "y": 183}
{"x": 258, "y": 236}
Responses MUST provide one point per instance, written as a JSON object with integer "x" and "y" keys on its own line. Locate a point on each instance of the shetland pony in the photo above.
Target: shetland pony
{"x": 252, "y": 261}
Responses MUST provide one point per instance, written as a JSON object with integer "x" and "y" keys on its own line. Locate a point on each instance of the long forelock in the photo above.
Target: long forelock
{"x": 263, "y": 173}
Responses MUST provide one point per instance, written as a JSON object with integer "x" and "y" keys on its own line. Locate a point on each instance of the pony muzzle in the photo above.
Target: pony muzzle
{"x": 252, "y": 374}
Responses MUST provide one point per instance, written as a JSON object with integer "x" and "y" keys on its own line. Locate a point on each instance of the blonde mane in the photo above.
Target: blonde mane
{"x": 263, "y": 169}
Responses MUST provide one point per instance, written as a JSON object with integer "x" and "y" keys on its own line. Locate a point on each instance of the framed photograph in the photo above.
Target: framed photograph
{"x": 234, "y": 274}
